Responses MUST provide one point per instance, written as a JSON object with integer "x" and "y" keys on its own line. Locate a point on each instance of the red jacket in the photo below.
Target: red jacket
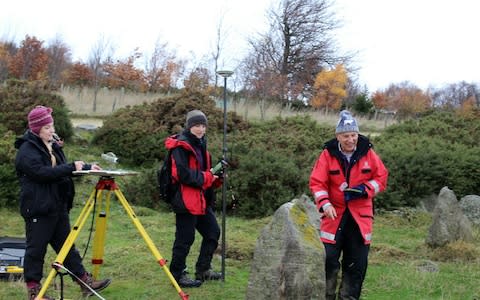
{"x": 331, "y": 175}
{"x": 196, "y": 185}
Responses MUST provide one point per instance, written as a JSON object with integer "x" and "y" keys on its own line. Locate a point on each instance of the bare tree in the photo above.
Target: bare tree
{"x": 218, "y": 47}
{"x": 298, "y": 45}
{"x": 98, "y": 55}
{"x": 162, "y": 69}
{"x": 455, "y": 94}
{"x": 60, "y": 57}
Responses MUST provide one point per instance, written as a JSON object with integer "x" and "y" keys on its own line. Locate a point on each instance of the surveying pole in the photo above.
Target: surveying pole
{"x": 225, "y": 74}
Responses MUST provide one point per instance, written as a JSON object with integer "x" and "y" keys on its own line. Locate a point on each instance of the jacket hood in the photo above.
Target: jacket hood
{"x": 363, "y": 145}
{"x": 28, "y": 136}
{"x": 186, "y": 139}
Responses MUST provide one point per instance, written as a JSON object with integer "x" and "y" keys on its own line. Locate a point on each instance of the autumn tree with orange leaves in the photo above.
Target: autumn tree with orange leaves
{"x": 31, "y": 60}
{"x": 79, "y": 74}
{"x": 198, "y": 80}
{"x": 330, "y": 89}
{"x": 124, "y": 74}
{"x": 7, "y": 50}
{"x": 406, "y": 99}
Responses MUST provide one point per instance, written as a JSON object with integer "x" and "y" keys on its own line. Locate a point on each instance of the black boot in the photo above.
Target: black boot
{"x": 186, "y": 282}
{"x": 208, "y": 275}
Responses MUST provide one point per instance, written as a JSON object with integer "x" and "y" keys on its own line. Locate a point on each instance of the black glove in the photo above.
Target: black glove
{"x": 356, "y": 192}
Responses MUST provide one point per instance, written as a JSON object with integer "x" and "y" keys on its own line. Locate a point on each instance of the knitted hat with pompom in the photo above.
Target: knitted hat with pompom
{"x": 39, "y": 117}
{"x": 346, "y": 123}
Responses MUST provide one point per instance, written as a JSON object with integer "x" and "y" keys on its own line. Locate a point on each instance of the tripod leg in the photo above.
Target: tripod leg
{"x": 62, "y": 254}
{"x": 100, "y": 233}
{"x": 161, "y": 261}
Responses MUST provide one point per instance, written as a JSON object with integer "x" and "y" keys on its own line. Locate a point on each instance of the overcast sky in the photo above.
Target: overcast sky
{"x": 426, "y": 42}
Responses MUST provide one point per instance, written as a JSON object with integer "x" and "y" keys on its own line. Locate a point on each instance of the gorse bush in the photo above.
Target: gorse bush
{"x": 271, "y": 161}
{"x": 9, "y": 188}
{"x": 424, "y": 155}
{"x": 270, "y": 165}
{"x": 136, "y": 134}
{"x": 275, "y": 159}
{"x": 18, "y": 97}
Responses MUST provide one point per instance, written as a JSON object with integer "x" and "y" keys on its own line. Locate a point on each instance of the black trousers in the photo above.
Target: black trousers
{"x": 354, "y": 263}
{"x": 186, "y": 224}
{"x": 41, "y": 231}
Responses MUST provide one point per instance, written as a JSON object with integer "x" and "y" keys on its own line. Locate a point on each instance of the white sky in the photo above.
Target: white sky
{"x": 426, "y": 42}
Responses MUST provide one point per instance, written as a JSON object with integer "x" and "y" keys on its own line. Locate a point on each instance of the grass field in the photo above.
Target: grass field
{"x": 397, "y": 257}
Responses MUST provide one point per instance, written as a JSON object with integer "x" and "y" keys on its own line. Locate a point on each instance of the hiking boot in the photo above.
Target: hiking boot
{"x": 33, "y": 292}
{"x": 208, "y": 275}
{"x": 186, "y": 282}
{"x": 96, "y": 285}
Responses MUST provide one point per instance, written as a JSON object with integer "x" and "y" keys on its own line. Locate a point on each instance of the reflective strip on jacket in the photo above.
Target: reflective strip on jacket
{"x": 328, "y": 180}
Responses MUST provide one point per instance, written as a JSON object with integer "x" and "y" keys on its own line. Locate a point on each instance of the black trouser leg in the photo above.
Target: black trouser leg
{"x": 37, "y": 232}
{"x": 73, "y": 260}
{"x": 332, "y": 267}
{"x": 354, "y": 262}
{"x": 184, "y": 238}
{"x": 208, "y": 228}
{"x": 350, "y": 245}
{"x": 40, "y": 232}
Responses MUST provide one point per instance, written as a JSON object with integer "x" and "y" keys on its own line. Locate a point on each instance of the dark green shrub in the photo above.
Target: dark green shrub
{"x": 426, "y": 154}
{"x": 362, "y": 104}
{"x": 271, "y": 164}
{"x": 142, "y": 189}
{"x": 274, "y": 159}
{"x": 136, "y": 134}
{"x": 18, "y": 97}
{"x": 9, "y": 189}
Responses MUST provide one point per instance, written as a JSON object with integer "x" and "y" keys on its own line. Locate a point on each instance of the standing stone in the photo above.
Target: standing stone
{"x": 470, "y": 205}
{"x": 289, "y": 258}
{"x": 449, "y": 222}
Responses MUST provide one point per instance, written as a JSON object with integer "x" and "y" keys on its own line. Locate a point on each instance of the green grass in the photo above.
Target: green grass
{"x": 129, "y": 262}
{"x": 397, "y": 250}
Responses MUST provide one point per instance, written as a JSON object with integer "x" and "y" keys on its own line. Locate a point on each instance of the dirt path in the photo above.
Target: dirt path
{"x": 87, "y": 122}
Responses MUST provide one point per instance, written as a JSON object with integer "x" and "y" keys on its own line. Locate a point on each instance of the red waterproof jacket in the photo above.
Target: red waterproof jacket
{"x": 331, "y": 174}
{"x": 195, "y": 185}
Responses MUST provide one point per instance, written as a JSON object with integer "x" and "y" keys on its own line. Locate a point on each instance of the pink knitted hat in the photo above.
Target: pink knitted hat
{"x": 39, "y": 117}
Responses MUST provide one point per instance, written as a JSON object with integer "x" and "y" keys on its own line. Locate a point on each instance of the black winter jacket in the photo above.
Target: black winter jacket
{"x": 44, "y": 190}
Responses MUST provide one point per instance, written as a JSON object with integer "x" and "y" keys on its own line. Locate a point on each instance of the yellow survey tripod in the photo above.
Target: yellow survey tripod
{"x": 105, "y": 183}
